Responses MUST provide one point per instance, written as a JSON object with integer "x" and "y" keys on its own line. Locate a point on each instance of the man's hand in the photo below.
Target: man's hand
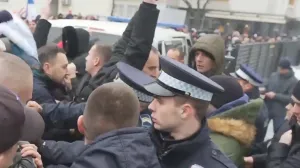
{"x": 270, "y": 95}
{"x": 31, "y": 150}
{"x": 72, "y": 70}
{"x": 35, "y": 106}
{"x": 68, "y": 82}
{"x": 248, "y": 162}
{"x": 286, "y": 138}
{"x": 151, "y": 1}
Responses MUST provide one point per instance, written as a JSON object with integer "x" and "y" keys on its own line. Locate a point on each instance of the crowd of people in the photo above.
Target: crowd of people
{"x": 81, "y": 104}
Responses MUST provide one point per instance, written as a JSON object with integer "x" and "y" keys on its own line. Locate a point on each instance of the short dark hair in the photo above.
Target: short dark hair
{"x": 155, "y": 50}
{"x": 105, "y": 51}
{"x": 110, "y": 106}
{"x": 48, "y": 53}
{"x": 199, "y": 105}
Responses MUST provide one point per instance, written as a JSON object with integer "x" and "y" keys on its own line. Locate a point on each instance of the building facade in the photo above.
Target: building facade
{"x": 85, "y": 7}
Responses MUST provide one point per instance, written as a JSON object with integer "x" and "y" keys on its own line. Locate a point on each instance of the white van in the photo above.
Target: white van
{"x": 109, "y": 32}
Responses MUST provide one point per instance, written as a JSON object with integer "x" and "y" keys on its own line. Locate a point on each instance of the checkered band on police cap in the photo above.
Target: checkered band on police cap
{"x": 141, "y": 96}
{"x": 189, "y": 89}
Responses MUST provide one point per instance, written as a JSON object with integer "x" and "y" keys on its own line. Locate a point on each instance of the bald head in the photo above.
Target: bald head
{"x": 176, "y": 54}
{"x": 16, "y": 75}
{"x": 111, "y": 106}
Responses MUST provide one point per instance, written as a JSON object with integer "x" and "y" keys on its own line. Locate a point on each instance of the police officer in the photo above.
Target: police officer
{"x": 250, "y": 81}
{"x": 180, "y": 131}
{"x": 128, "y": 75}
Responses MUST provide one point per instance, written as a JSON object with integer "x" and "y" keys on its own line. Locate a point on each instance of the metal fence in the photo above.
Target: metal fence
{"x": 264, "y": 57}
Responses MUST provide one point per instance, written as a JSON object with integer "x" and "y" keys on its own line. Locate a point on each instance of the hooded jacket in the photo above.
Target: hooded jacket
{"x": 76, "y": 43}
{"x": 233, "y": 130}
{"x": 214, "y": 45}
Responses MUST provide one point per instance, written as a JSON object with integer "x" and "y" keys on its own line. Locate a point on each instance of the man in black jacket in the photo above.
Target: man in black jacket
{"x": 286, "y": 152}
{"x": 134, "y": 48}
{"x": 51, "y": 75}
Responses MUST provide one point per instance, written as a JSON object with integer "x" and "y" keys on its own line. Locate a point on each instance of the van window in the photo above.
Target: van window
{"x": 160, "y": 47}
{"x": 174, "y": 44}
{"x": 105, "y": 39}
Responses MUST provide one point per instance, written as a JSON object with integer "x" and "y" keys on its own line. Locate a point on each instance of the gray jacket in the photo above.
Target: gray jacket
{"x": 283, "y": 86}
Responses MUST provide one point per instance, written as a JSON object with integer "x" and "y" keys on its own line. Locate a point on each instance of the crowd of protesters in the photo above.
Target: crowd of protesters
{"x": 81, "y": 104}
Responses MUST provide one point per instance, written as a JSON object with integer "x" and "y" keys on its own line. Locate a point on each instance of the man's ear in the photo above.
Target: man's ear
{"x": 97, "y": 61}
{"x": 80, "y": 125}
{"x": 186, "y": 111}
{"x": 46, "y": 67}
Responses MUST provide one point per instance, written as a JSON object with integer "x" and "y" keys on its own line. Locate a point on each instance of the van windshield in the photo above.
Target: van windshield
{"x": 105, "y": 39}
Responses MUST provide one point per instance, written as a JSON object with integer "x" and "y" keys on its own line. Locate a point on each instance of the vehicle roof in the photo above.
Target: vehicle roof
{"x": 115, "y": 28}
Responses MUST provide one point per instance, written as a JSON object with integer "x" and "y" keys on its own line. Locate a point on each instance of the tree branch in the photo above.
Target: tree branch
{"x": 188, "y": 3}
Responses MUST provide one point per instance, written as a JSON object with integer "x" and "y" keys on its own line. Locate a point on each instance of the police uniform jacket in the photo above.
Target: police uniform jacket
{"x": 197, "y": 151}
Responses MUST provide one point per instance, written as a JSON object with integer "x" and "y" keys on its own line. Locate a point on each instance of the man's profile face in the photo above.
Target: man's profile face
{"x": 91, "y": 60}
{"x": 57, "y": 69}
{"x": 151, "y": 67}
{"x": 246, "y": 86}
{"x": 165, "y": 114}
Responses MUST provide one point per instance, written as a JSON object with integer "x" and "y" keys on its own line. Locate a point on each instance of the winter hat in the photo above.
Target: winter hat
{"x": 233, "y": 90}
{"x": 285, "y": 64}
{"x": 15, "y": 29}
{"x": 296, "y": 91}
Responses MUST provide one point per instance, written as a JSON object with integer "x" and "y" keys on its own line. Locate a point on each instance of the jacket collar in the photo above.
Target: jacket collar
{"x": 165, "y": 144}
{"x": 50, "y": 84}
{"x": 242, "y": 100}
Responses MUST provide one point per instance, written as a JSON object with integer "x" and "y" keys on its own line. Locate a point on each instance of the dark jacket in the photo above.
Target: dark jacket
{"x": 260, "y": 150}
{"x": 262, "y": 120}
{"x": 44, "y": 89}
{"x": 283, "y": 86}
{"x": 128, "y": 147}
{"x": 133, "y": 48}
{"x": 261, "y": 124}
{"x": 65, "y": 115}
{"x": 196, "y": 150}
{"x": 283, "y": 156}
{"x": 213, "y": 45}
{"x": 108, "y": 151}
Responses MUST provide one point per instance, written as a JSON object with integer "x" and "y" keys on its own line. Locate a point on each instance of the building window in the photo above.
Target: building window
{"x": 119, "y": 10}
{"x": 131, "y": 9}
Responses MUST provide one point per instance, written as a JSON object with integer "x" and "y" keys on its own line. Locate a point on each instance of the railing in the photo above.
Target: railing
{"x": 263, "y": 57}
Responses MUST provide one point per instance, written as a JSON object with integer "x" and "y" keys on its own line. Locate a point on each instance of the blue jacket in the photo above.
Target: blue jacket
{"x": 243, "y": 100}
{"x": 128, "y": 147}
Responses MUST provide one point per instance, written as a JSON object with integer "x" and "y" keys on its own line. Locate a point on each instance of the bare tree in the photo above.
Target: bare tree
{"x": 190, "y": 12}
{"x": 113, "y": 7}
{"x": 203, "y": 14}
{"x": 199, "y": 15}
